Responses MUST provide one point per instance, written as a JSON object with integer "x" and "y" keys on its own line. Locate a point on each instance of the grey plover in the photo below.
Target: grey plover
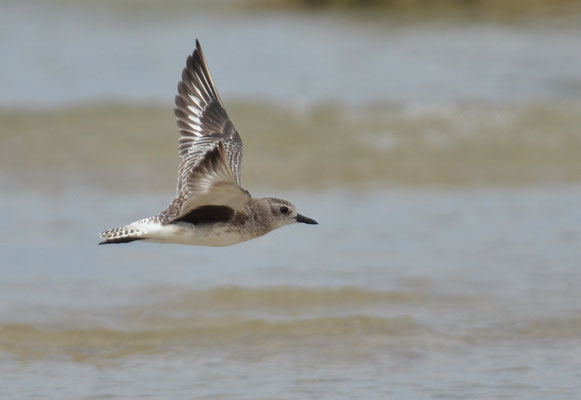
{"x": 211, "y": 208}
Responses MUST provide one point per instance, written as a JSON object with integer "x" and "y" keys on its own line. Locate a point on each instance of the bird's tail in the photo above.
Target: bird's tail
{"x": 123, "y": 234}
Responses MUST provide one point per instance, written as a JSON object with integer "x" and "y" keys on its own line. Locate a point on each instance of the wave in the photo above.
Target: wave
{"x": 167, "y": 319}
{"x": 407, "y": 144}
{"x": 27, "y": 341}
{"x": 357, "y": 334}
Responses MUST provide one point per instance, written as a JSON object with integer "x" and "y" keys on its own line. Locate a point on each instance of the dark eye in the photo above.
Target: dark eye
{"x": 284, "y": 209}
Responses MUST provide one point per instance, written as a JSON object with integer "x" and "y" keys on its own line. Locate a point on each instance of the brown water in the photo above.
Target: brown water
{"x": 441, "y": 160}
{"x": 330, "y": 145}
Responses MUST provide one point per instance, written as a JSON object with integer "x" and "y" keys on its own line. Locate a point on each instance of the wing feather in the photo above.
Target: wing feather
{"x": 202, "y": 122}
{"x": 212, "y": 183}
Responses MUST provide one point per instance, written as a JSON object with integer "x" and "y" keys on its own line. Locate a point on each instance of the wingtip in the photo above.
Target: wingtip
{"x": 199, "y": 51}
{"x": 120, "y": 240}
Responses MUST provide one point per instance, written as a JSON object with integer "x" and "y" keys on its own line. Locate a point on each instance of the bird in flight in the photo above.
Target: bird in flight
{"x": 210, "y": 208}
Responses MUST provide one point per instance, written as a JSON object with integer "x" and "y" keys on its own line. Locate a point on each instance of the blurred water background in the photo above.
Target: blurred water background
{"x": 438, "y": 147}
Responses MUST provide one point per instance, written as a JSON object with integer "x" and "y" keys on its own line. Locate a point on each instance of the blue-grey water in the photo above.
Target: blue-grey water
{"x": 409, "y": 293}
{"x": 69, "y": 53}
{"x": 467, "y": 287}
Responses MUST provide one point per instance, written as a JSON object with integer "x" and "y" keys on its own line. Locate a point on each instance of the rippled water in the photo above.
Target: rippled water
{"x": 410, "y": 292}
{"x": 441, "y": 159}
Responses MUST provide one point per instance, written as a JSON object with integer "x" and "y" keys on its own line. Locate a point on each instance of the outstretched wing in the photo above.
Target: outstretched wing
{"x": 212, "y": 183}
{"x": 211, "y": 191}
{"x": 202, "y": 121}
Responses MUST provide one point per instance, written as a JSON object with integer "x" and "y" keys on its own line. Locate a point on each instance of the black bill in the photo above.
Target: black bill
{"x": 306, "y": 220}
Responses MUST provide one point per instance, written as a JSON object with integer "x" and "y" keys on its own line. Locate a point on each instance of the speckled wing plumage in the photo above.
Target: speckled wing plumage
{"x": 202, "y": 121}
{"x": 212, "y": 183}
{"x": 209, "y": 145}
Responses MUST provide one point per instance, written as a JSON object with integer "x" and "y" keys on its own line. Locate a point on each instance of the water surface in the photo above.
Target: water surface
{"x": 392, "y": 286}
{"x": 441, "y": 158}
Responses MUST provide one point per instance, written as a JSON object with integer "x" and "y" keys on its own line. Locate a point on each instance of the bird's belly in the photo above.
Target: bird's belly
{"x": 218, "y": 234}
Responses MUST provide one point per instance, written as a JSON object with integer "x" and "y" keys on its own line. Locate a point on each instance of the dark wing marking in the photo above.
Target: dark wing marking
{"x": 121, "y": 240}
{"x": 207, "y": 214}
{"x": 202, "y": 120}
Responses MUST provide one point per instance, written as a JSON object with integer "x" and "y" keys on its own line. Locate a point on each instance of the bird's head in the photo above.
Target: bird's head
{"x": 283, "y": 212}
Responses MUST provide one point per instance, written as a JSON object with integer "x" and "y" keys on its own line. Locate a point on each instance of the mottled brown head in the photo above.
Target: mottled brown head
{"x": 283, "y": 212}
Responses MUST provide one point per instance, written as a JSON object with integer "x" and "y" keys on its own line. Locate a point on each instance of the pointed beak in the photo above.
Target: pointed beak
{"x": 306, "y": 220}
